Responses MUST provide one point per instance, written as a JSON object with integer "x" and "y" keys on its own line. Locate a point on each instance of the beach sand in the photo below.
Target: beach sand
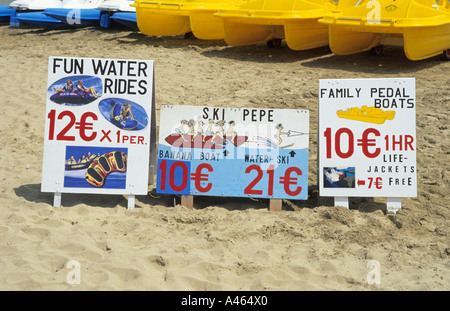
{"x": 224, "y": 243}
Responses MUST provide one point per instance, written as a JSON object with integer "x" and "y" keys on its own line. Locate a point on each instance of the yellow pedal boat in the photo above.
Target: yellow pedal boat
{"x": 270, "y": 21}
{"x": 422, "y": 27}
{"x": 171, "y": 18}
{"x": 367, "y": 114}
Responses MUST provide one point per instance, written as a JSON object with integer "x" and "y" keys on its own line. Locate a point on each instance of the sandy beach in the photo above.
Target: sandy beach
{"x": 223, "y": 243}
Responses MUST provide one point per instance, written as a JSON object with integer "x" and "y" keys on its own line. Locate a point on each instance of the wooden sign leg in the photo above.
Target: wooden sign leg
{"x": 187, "y": 201}
{"x": 275, "y": 205}
{"x": 393, "y": 205}
{"x": 341, "y": 201}
{"x": 131, "y": 201}
{"x": 57, "y": 199}
{"x": 151, "y": 178}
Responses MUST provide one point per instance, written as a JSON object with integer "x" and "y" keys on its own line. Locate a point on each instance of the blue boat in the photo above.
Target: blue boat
{"x": 5, "y": 14}
{"x": 118, "y": 13}
{"x": 37, "y": 19}
{"x": 22, "y": 7}
{"x": 75, "y": 17}
{"x": 55, "y": 13}
{"x": 127, "y": 19}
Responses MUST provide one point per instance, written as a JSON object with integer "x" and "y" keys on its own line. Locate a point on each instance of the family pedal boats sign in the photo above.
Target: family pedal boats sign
{"x": 99, "y": 118}
{"x": 367, "y": 138}
{"x": 234, "y": 152}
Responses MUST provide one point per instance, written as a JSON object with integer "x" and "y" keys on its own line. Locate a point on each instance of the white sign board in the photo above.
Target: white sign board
{"x": 367, "y": 138}
{"x": 97, "y": 126}
{"x": 235, "y": 152}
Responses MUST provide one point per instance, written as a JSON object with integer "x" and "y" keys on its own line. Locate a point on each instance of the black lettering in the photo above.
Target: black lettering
{"x": 74, "y": 66}
{"x": 121, "y": 62}
{"x": 99, "y": 67}
{"x": 142, "y": 69}
{"x": 142, "y": 87}
{"x": 78, "y": 66}
{"x": 131, "y": 69}
{"x": 112, "y": 69}
{"x": 215, "y": 114}
{"x": 322, "y": 92}
{"x": 121, "y": 86}
{"x": 262, "y": 113}
{"x": 56, "y": 64}
{"x": 108, "y": 86}
{"x": 246, "y": 113}
{"x": 393, "y": 105}
{"x": 270, "y": 117}
{"x": 373, "y": 90}
{"x": 131, "y": 85}
{"x": 205, "y": 113}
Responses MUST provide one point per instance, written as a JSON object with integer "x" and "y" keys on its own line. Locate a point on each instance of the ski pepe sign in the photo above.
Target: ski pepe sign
{"x": 367, "y": 138}
{"x": 235, "y": 152}
{"x": 97, "y": 126}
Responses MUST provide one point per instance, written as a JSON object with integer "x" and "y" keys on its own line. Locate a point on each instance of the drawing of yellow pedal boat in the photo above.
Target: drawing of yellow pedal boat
{"x": 270, "y": 21}
{"x": 422, "y": 27}
{"x": 171, "y": 18}
{"x": 367, "y": 114}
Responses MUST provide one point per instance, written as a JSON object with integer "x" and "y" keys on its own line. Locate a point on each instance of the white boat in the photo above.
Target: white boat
{"x": 34, "y": 5}
{"x": 119, "y": 11}
{"x": 117, "y": 5}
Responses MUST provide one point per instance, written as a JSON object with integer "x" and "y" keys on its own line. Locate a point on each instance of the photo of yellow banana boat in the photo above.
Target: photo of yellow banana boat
{"x": 270, "y": 21}
{"x": 171, "y": 18}
{"x": 422, "y": 27}
{"x": 367, "y": 114}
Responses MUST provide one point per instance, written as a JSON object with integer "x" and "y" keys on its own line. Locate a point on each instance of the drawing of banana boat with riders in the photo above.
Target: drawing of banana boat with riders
{"x": 218, "y": 134}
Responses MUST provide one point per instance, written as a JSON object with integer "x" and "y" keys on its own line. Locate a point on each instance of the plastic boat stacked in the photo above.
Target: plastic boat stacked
{"x": 270, "y": 21}
{"x": 171, "y": 18}
{"x": 422, "y": 27}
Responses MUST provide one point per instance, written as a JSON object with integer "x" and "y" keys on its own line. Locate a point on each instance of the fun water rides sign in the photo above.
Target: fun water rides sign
{"x": 99, "y": 116}
{"x": 235, "y": 152}
{"x": 367, "y": 138}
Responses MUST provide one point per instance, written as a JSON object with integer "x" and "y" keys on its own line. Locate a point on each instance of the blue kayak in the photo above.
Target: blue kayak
{"x": 38, "y": 19}
{"x": 127, "y": 19}
{"x": 5, "y": 13}
{"x": 75, "y": 17}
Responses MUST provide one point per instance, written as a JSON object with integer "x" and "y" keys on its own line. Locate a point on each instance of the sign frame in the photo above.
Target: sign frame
{"x": 109, "y": 125}
{"x": 367, "y": 139}
{"x": 233, "y": 152}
